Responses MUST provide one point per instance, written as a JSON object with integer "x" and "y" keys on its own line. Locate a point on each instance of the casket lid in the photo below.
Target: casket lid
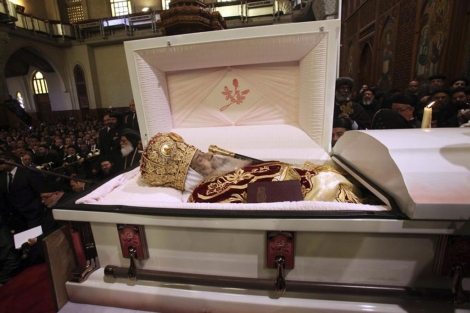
{"x": 155, "y": 65}
{"x": 427, "y": 171}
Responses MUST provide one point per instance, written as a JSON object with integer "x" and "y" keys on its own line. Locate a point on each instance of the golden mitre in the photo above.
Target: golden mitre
{"x": 165, "y": 161}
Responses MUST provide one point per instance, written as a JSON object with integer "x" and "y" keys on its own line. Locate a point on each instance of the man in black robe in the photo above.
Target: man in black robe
{"x": 131, "y": 118}
{"x": 403, "y": 104}
{"x": 46, "y": 159}
{"x": 345, "y": 108}
{"x": 129, "y": 149}
{"x": 116, "y": 127}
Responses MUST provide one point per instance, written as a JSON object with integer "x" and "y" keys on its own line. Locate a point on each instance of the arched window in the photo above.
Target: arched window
{"x": 39, "y": 84}
{"x": 80, "y": 84}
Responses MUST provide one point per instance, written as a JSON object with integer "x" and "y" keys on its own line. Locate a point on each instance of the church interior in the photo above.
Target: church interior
{"x": 82, "y": 60}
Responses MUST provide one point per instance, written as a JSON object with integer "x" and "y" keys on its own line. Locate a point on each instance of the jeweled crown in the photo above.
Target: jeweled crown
{"x": 165, "y": 161}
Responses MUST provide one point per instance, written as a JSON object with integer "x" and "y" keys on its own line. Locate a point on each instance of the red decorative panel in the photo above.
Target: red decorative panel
{"x": 280, "y": 243}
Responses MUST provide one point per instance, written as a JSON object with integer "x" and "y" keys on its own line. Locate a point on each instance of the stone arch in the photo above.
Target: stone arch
{"x": 20, "y": 67}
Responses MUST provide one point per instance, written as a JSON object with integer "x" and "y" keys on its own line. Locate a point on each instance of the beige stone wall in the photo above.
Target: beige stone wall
{"x": 52, "y": 10}
{"x": 34, "y": 7}
{"x": 113, "y": 76}
{"x": 96, "y": 9}
{"x": 80, "y": 55}
{"x": 106, "y": 74}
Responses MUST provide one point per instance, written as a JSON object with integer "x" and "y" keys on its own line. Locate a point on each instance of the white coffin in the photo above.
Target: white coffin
{"x": 427, "y": 171}
{"x": 178, "y": 84}
{"x": 227, "y": 240}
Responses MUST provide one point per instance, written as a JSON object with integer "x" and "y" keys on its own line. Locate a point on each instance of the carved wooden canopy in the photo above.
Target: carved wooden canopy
{"x": 189, "y": 16}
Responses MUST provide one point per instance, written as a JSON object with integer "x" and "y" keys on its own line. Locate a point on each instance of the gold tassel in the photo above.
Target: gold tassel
{"x": 347, "y": 196}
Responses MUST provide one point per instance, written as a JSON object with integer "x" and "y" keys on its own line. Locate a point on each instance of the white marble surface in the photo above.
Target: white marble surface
{"x": 172, "y": 298}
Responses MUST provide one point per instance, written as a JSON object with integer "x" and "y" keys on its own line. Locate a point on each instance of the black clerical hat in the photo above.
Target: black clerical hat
{"x": 341, "y": 81}
{"x": 116, "y": 114}
{"x": 388, "y": 119}
{"x": 342, "y": 123}
{"x": 131, "y": 135}
{"x": 51, "y": 187}
{"x": 403, "y": 99}
{"x": 441, "y": 90}
{"x": 437, "y": 76}
{"x": 464, "y": 79}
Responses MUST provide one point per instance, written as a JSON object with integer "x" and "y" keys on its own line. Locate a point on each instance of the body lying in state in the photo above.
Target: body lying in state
{"x": 169, "y": 162}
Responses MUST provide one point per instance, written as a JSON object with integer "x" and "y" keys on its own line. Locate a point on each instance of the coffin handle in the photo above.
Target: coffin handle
{"x": 132, "y": 272}
{"x": 280, "y": 283}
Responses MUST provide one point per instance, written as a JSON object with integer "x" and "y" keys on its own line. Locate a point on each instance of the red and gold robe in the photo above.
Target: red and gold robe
{"x": 320, "y": 183}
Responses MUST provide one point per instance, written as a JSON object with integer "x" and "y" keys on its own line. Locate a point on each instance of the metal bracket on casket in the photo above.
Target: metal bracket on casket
{"x": 279, "y": 255}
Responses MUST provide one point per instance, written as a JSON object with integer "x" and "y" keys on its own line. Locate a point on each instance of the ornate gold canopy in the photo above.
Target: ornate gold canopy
{"x": 189, "y": 16}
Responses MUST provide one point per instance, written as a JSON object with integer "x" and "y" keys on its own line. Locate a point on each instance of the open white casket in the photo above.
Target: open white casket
{"x": 348, "y": 258}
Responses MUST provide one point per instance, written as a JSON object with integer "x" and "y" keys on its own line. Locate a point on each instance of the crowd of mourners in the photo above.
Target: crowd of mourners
{"x": 371, "y": 108}
{"x": 40, "y": 166}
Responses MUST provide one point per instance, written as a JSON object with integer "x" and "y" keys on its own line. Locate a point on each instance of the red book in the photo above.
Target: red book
{"x": 277, "y": 191}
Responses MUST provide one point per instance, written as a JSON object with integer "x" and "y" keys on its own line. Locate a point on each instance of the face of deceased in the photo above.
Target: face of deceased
{"x": 202, "y": 162}
{"x": 208, "y": 164}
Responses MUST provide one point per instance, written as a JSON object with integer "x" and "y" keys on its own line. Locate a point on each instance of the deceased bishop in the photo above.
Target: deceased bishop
{"x": 170, "y": 162}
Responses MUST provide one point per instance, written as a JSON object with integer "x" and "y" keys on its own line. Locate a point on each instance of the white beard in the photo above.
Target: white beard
{"x": 342, "y": 97}
{"x": 366, "y": 102}
{"x": 126, "y": 150}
